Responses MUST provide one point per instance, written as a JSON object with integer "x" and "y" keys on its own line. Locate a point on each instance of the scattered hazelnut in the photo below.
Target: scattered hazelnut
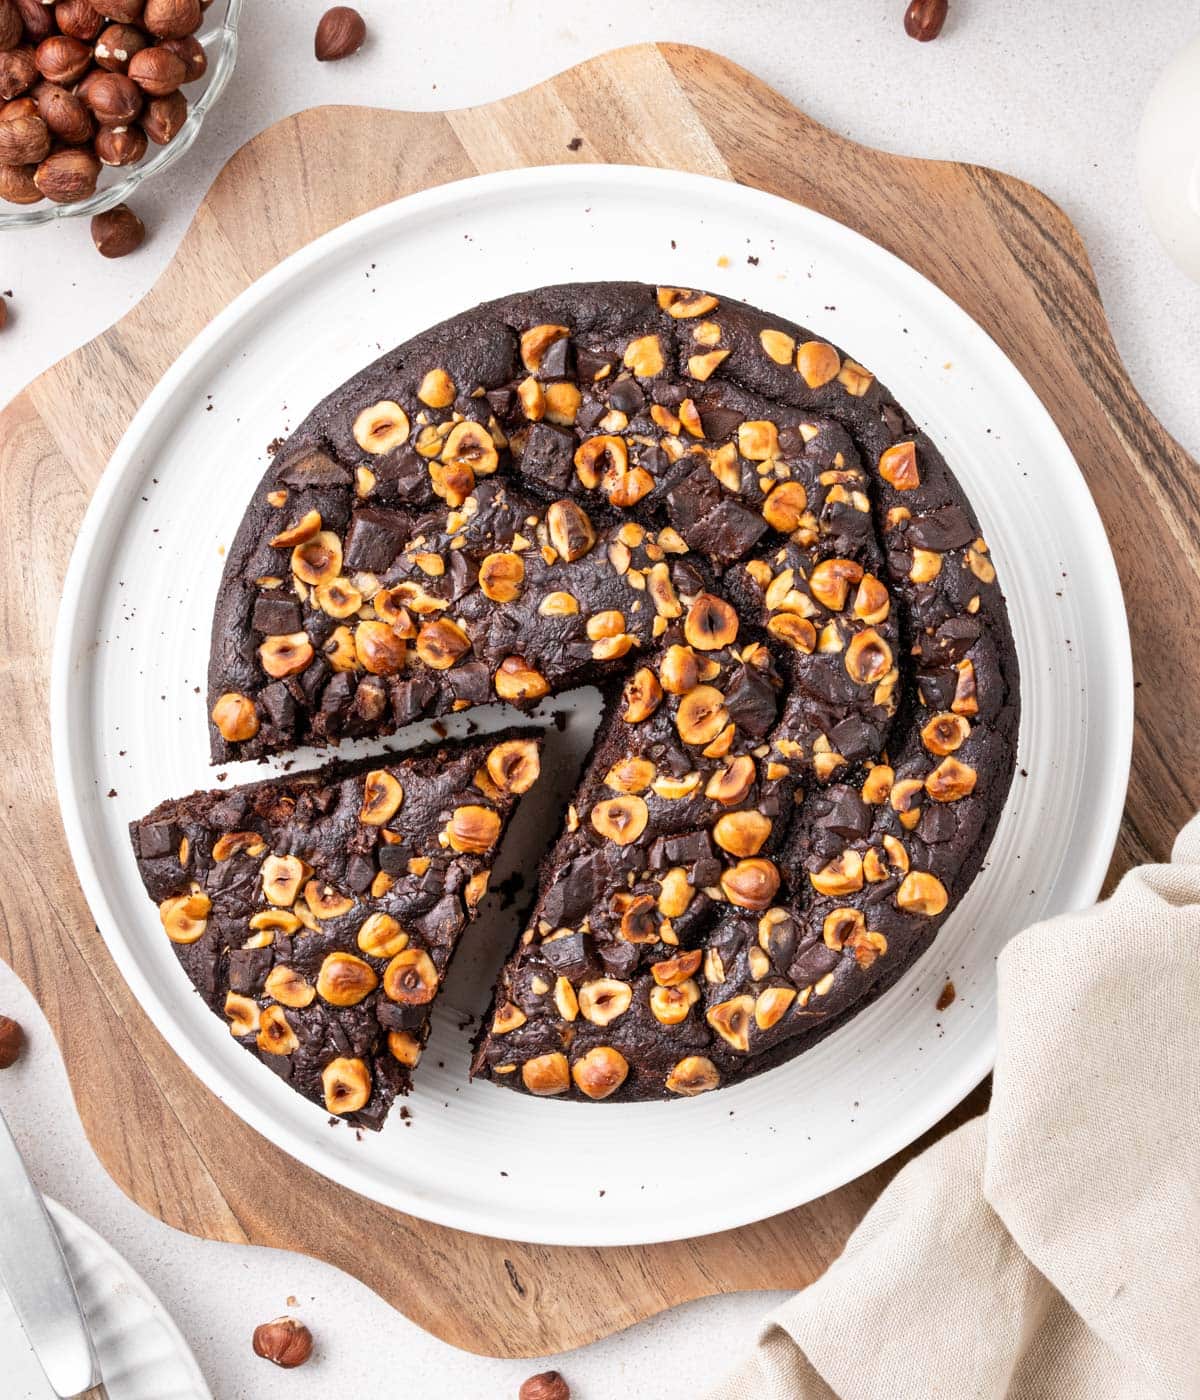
{"x": 118, "y": 232}
{"x": 285, "y": 1342}
{"x": 923, "y": 19}
{"x": 546, "y": 1385}
{"x": 12, "y": 1037}
{"x": 340, "y": 33}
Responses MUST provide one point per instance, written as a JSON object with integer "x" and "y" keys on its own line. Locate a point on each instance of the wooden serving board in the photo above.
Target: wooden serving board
{"x": 1000, "y": 248}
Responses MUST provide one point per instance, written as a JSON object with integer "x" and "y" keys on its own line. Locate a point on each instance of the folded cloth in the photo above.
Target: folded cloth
{"x": 1049, "y": 1250}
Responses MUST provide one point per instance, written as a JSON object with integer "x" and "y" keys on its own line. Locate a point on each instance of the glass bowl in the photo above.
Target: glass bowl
{"x": 219, "y": 36}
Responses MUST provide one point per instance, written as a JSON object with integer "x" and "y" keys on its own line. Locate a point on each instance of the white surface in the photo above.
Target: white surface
{"x": 1169, "y": 158}
{"x": 1052, "y": 93}
{"x": 141, "y": 1352}
{"x": 1053, "y": 96}
{"x": 218, "y": 1293}
{"x": 131, "y": 643}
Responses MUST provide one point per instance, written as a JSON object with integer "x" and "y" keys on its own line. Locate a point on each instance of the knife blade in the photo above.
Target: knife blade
{"x": 34, "y": 1273}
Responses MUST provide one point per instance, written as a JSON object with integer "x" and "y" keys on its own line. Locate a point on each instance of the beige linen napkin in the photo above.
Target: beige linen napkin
{"x": 1049, "y": 1250}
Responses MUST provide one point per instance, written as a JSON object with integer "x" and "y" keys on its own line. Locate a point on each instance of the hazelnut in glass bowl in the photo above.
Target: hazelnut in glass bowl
{"x": 94, "y": 99}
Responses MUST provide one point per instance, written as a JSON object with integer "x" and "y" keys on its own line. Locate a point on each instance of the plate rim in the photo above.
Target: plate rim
{"x": 485, "y": 1218}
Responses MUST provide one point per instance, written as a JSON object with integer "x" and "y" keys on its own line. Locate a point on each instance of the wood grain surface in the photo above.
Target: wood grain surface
{"x": 998, "y": 247}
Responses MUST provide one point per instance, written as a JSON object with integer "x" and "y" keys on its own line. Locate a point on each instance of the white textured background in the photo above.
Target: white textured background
{"x": 1051, "y": 93}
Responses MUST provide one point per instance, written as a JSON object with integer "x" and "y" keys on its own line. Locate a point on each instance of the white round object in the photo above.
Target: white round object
{"x": 141, "y": 1352}
{"x": 132, "y": 650}
{"x": 1168, "y": 158}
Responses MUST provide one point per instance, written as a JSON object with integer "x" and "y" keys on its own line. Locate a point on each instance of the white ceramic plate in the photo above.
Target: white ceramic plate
{"x": 141, "y": 1352}
{"x": 131, "y": 655}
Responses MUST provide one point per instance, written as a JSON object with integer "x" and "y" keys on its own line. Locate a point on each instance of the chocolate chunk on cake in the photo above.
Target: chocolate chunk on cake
{"x": 318, "y": 913}
{"x": 733, "y": 528}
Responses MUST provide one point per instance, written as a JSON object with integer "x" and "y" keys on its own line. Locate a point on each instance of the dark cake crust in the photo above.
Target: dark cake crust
{"x": 731, "y": 519}
{"x": 318, "y": 913}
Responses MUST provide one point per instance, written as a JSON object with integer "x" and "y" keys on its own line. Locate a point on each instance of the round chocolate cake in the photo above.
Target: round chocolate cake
{"x": 734, "y": 530}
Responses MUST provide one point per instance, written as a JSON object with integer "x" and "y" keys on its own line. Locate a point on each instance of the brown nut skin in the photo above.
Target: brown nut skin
{"x": 18, "y": 72}
{"x": 124, "y": 11}
{"x": 157, "y": 71}
{"x": 172, "y": 19}
{"x": 68, "y": 176}
{"x": 113, "y": 97}
{"x": 546, "y": 1385}
{"x": 12, "y": 29}
{"x": 118, "y": 232}
{"x": 23, "y": 106}
{"x": 340, "y": 33}
{"x": 163, "y": 117}
{"x": 923, "y": 19}
{"x": 61, "y": 59}
{"x": 116, "y": 46}
{"x": 17, "y": 187}
{"x": 121, "y": 145}
{"x": 37, "y": 18}
{"x": 285, "y": 1342}
{"x": 24, "y": 141}
{"x": 191, "y": 51}
{"x": 64, "y": 113}
{"x": 78, "y": 19}
{"x": 12, "y": 1041}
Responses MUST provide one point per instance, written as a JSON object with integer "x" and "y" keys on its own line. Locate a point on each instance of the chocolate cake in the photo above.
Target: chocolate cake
{"x": 731, "y": 527}
{"x": 317, "y": 914}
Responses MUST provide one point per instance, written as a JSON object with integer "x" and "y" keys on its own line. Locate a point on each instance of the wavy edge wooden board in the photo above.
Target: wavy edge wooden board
{"x": 996, "y": 245}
